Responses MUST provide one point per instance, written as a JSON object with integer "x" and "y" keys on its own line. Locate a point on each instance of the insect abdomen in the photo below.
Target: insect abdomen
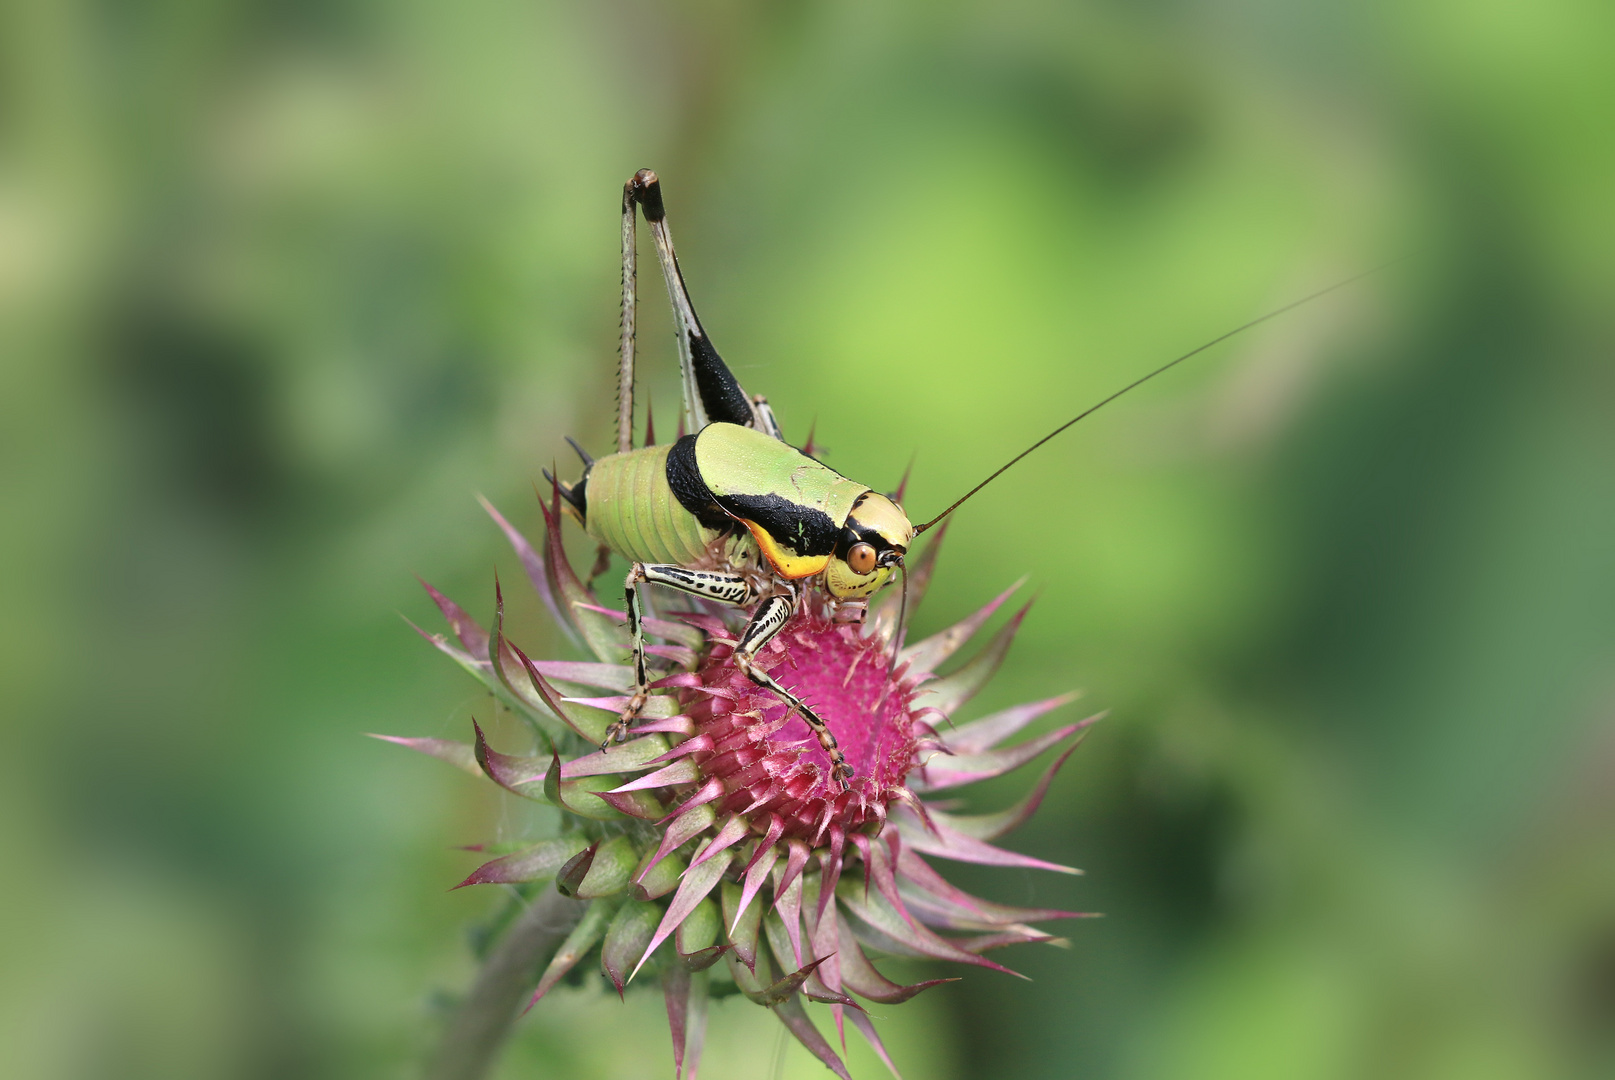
{"x": 633, "y": 511}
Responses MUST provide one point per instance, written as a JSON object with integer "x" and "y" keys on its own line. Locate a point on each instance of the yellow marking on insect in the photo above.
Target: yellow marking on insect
{"x": 788, "y": 563}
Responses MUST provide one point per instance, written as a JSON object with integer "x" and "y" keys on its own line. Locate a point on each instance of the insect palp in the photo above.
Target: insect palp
{"x": 902, "y": 616}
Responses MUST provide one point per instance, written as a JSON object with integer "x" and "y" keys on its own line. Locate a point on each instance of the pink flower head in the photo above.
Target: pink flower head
{"x": 714, "y": 833}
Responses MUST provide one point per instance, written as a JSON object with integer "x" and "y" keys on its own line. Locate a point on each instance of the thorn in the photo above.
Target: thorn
{"x": 602, "y": 563}
{"x": 902, "y": 485}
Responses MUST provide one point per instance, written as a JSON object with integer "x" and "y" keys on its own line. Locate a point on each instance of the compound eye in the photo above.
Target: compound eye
{"x": 861, "y": 557}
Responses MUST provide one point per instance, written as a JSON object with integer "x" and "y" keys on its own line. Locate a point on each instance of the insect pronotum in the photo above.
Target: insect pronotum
{"x": 731, "y": 512}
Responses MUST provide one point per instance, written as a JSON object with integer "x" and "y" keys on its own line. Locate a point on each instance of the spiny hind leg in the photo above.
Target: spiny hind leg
{"x": 765, "y": 417}
{"x": 710, "y": 390}
{"x": 768, "y": 620}
{"x": 625, "y": 355}
{"x": 714, "y": 585}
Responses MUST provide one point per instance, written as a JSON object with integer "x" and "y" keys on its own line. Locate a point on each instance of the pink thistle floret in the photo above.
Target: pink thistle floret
{"x": 772, "y": 764}
{"x": 720, "y": 806}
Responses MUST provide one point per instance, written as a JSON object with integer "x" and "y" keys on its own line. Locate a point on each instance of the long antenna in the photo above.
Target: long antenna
{"x": 1275, "y": 313}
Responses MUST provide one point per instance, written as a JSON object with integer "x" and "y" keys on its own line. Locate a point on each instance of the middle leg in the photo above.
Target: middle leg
{"x": 769, "y": 619}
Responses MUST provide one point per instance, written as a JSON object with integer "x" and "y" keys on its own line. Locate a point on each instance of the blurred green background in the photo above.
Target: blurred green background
{"x": 283, "y": 285}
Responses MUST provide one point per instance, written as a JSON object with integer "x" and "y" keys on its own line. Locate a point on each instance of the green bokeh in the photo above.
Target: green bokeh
{"x": 282, "y": 286}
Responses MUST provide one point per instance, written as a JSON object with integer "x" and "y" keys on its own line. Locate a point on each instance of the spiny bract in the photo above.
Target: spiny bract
{"x": 714, "y": 833}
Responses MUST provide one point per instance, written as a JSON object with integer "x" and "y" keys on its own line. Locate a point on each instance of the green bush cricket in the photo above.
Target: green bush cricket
{"x": 731, "y": 512}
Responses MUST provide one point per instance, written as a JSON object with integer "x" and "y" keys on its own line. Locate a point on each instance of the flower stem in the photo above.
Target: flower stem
{"x": 479, "y": 1027}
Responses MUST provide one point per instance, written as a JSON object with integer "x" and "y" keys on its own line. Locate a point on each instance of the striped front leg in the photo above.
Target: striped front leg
{"x": 714, "y": 585}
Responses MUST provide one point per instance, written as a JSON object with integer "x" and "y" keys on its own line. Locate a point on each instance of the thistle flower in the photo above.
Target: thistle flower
{"x": 712, "y": 847}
